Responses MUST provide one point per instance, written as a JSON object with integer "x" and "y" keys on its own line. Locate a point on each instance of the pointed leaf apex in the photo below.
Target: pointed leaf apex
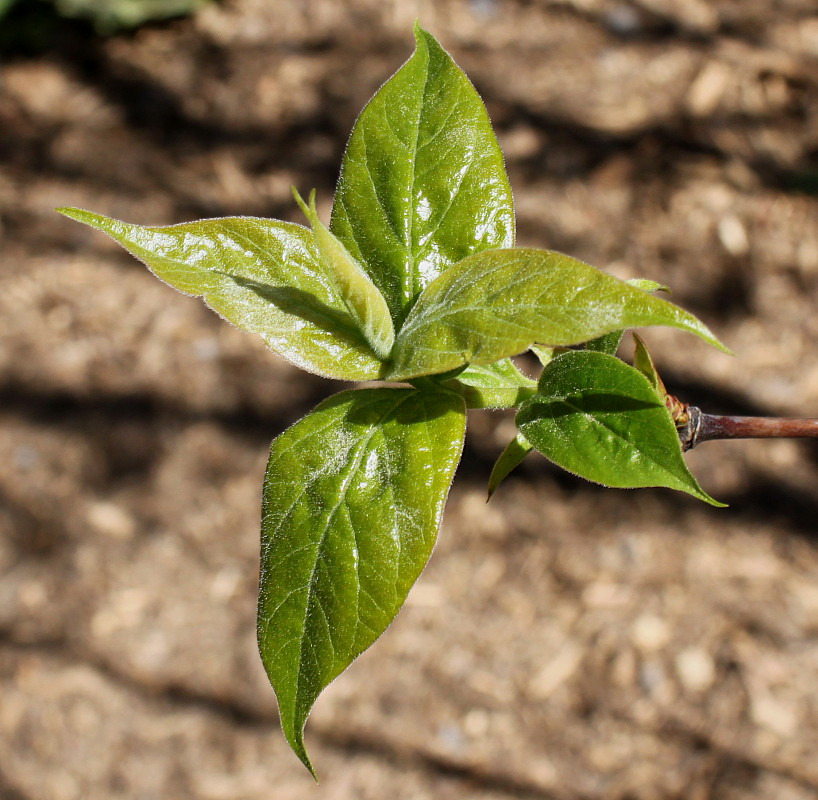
{"x": 297, "y": 745}
{"x": 86, "y": 217}
{"x": 305, "y": 209}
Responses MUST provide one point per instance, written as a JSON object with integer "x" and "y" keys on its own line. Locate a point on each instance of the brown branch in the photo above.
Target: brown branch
{"x": 699, "y": 427}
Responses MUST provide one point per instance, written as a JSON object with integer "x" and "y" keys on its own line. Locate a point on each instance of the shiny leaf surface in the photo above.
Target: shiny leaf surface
{"x": 496, "y": 304}
{"x": 600, "y": 418}
{"x": 353, "y": 498}
{"x": 262, "y": 275}
{"x": 362, "y": 298}
{"x": 609, "y": 343}
{"x": 498, "y": 385}
{"x": 422, "y": 183}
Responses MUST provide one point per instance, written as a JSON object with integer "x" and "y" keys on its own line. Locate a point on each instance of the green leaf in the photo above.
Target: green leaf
{"x": 544, "y": 354}
{"x": 361, "y": 297}
{"x": 493, "y": 305}
{"x": 5, "y": 6}
{"x": 353, "y": 498}
{"x": 516, "y": 450}
{"x": 609, "y": 343}
{"x": 110, "y": 16}
{"x": 647, "y": 285}
{"x": 600, "y": 418}
{"x": 422, "y": 183}
{"x": 262, "y": 275}
{"x": 644, "y": 363}
{"x": 499, "y": 385}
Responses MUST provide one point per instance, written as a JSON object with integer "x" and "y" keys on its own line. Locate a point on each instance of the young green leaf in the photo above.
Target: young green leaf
{"x": 362, "y": 298}
{"x": 515, "y": 451}
{"x": 644, "y": 363}
{"x": 544, "y": 353}
{"x": 353, "y": 498}
{"x": 609, "y": 343}
{"x": 262, "y": 275}
{"x": 499, "y": 385}
{"x": 422, "y": 183}
{"x": 600, "y": 418}
{"x": 493, "y": 305}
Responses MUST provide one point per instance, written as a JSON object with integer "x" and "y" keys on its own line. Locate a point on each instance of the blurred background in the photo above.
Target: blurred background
{"x": 566, "y": 642}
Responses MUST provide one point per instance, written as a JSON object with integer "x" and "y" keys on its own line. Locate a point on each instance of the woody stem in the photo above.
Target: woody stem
{"x": 701, "y": 427}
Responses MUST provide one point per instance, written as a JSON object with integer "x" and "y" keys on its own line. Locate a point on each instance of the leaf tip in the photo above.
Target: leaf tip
{"x": 703, "y": 332}
{"x": 423, "y": 39}
{"x": 711, "y": 338}
{"x": 90, "y": 218}
{"x": 711, "y": 500}
{"x": 719, "y": 345}
{"x": 305, "y": 209}
{"x": 295, "y": 738}
{"x": 72, "y": 213}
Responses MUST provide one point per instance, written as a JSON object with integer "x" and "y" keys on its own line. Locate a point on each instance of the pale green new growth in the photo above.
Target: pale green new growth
{"x": 416, "y": 279}
{"x": 361, "y": 297}
{"x": 264, "y": 276}
{"x": 515, "y": 451}
{"x": 496, "y": 304}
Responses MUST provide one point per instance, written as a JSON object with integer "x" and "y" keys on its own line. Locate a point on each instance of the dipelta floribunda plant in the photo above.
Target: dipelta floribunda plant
{"x": 414, "y": 282}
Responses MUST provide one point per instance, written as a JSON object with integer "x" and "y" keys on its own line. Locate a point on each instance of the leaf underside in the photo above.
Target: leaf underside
{"x": 353, "y": 498}
{"x": 511, "y": 457}
{"x": 498, "y": 385}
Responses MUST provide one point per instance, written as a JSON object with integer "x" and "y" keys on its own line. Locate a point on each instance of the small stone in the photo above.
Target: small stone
{"x": 695, "y": 669}
{"x": 111, "y": 519}
{"x": 650, "y": 633}
{"x": 732, "y": 235}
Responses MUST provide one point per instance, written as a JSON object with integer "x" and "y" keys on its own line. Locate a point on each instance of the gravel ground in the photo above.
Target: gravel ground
{"x": 566, "y": 641}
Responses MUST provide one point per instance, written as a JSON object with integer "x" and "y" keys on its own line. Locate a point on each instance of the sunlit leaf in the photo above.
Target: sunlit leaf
{"x": 422, "y": 183}
{"x": 609, "y": 342}
{"x": 353, "y": 498}
{"x": 262, "y": 275}
{"x": 600, "y": 418}
{"x": 362, "y": 298}
{"x": 493, "y": 305}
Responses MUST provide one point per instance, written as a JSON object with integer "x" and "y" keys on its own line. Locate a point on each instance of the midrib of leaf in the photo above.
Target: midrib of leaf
{"x": 328, "y": 284}
{"x": 353, "y": 468}
{"x": 461, "y": 176}
{"x": 411, "y": 270}
{"x": 601, "y": 424}
{"x": 375, "y": 194}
